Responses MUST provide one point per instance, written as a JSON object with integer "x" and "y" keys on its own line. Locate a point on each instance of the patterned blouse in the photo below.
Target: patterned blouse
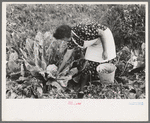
{"x": 83, "y": 33}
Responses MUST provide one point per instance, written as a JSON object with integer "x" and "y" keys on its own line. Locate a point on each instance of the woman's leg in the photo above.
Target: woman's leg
{"x": 89, "y": 71}
{"x": 83, "y": 81}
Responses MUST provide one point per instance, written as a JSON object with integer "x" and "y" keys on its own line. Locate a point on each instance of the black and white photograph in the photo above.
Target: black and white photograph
{"x": 76, "y": 51}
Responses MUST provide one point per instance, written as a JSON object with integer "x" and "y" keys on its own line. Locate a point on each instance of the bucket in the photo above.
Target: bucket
{"x": 106, "y": 72}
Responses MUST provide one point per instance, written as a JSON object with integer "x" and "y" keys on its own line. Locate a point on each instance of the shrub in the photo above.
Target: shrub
{"x": 127, "y": 23}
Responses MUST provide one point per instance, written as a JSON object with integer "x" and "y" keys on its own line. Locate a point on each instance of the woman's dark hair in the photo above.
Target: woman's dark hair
{"x": 63, "y": 31}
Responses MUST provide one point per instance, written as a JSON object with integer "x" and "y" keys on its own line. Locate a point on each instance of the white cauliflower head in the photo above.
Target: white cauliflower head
{"x": 51, "y": 69}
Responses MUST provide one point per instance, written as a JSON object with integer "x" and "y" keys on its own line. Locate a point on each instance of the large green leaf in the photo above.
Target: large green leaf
{"x": 43, "y": 56}
{"x": 65, "y": 71}
{"x": 36, "y": 54}
{"x": 39, "y": 91}
{"x": 28, "y": 65}
{"x": 22, "y": 70}
{"x": 39, "y": 38}
{"x": 49, "y": 51}
{"x": 47, "y": 35}
{"x": 13, "y": 56}
{"x": 143, "y": 48}
{"x": 59, "y": 88}
{"x": 13, "y": 66}
{"x": 8, "y": 39}
{"x": 43, "y": 65}
{"x": 29, "y": 47}
{"x": 15, "y": 40}
{"x": 23, "y": 53}
{"x": 137, "y": 58}
{"x": 63, "y": 80}
{"x": 35, "y": 71}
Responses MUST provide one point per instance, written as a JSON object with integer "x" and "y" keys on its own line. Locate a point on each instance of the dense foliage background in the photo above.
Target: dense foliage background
{"x": 28, "y": 23}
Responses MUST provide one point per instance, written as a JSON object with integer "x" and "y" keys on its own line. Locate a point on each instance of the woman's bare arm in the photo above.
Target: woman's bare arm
{"x": 103, "y": 39}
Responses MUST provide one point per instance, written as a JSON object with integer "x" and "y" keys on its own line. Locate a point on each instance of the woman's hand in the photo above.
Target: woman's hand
{"x": 104, "y": 55}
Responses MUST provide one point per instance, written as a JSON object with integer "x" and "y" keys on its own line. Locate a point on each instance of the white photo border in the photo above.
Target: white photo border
{"x": 58, "y": 109}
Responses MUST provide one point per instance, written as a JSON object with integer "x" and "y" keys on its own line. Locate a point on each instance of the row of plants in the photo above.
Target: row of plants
{"x": 31, "y": 72}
